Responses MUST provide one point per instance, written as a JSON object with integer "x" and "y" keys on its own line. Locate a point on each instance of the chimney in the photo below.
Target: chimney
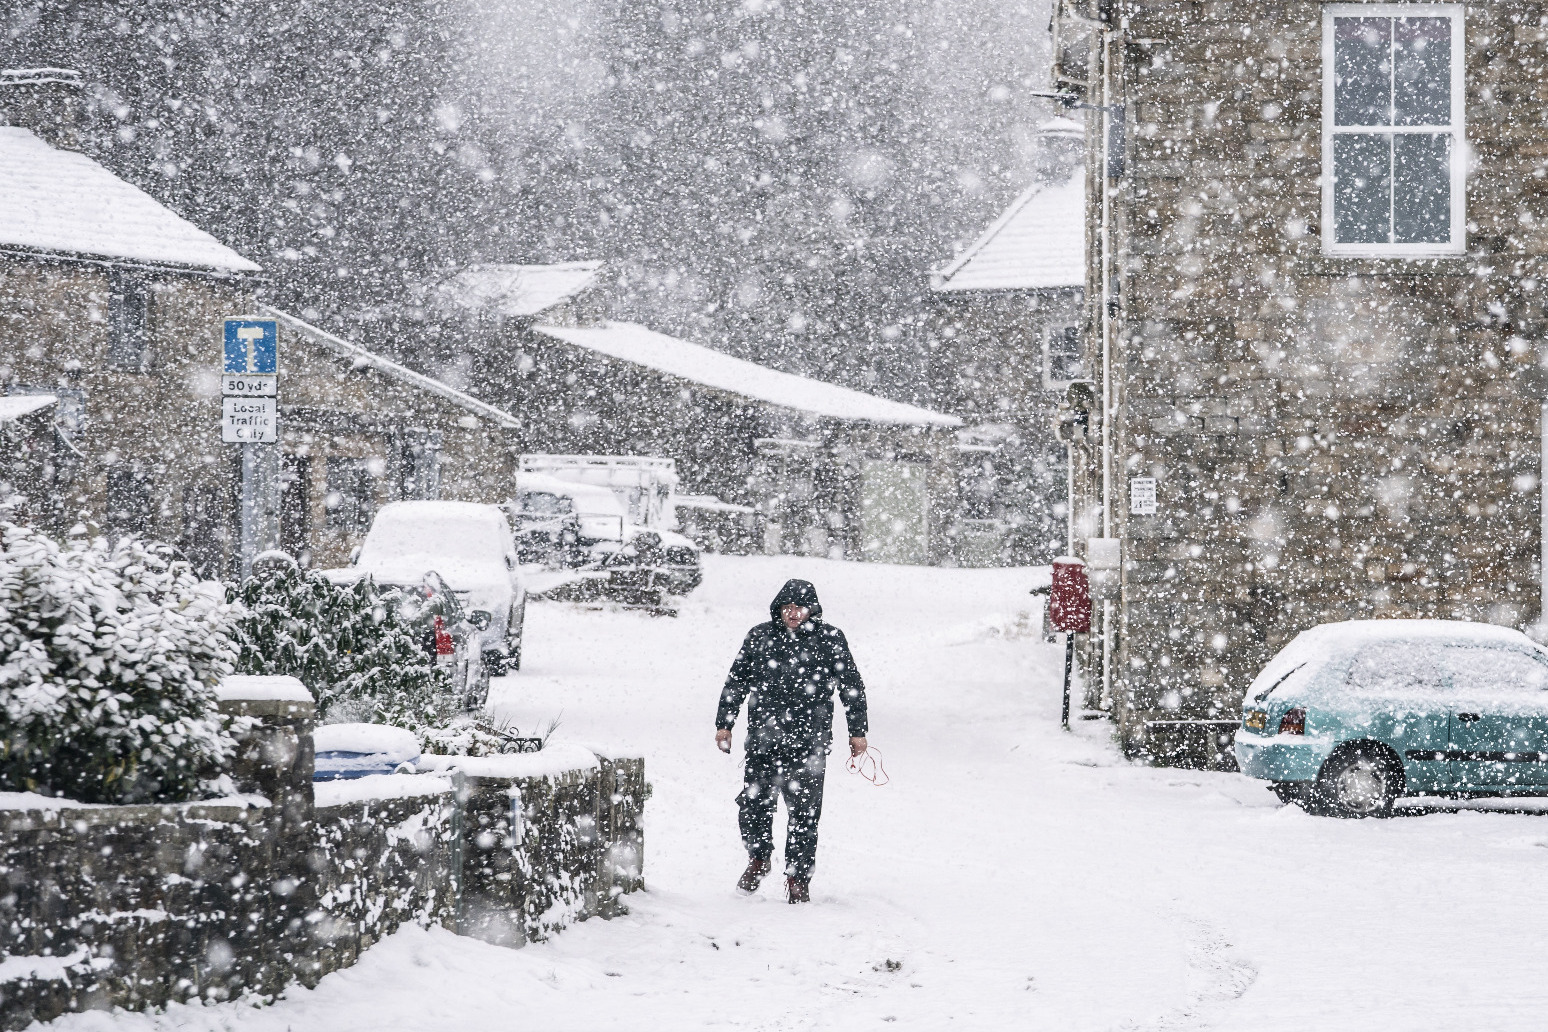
{"x": 44, "y": 100}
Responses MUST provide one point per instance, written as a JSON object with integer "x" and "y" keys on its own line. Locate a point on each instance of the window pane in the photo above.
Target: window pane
{"x": 1362, "y": 188}
{"x": 1362, "y": 70}
{"x": 1404, "y": 670}
{"x": 1064, "y": 354}
{"x": 1421, "y": 88}
{"x": 1503, "y": 670}
{"x": 1421, "y": 196}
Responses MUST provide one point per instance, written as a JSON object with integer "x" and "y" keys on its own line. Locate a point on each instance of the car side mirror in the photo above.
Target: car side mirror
{"x": 354, "y": 555}
{"x": 480, "y": 619}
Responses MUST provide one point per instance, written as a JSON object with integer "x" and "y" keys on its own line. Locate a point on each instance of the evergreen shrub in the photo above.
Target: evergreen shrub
{"x": 351, "y": 645}
{"x": 109, "y": 658}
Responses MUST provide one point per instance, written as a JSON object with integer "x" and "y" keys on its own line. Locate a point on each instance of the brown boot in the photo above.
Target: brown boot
{"x": 797, "y": 891}
{"x": 751, "y": 878}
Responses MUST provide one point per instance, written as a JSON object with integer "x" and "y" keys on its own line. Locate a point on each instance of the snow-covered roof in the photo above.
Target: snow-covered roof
{"x": 14, "y": 406}
{"x": 368, "y": 359}
{"x": 514, "y": 290}
{"x": 1039, "y": 243}
{"x": 630, "y": 342}
{"x": 60, "y": 202}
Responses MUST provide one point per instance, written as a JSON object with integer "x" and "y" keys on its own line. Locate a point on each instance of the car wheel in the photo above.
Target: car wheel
{"x": 494, "y": 663}
{"x": 1288, "y": 791}
{"x": 1361, "y": 781}
{"x": 513, "y": 657}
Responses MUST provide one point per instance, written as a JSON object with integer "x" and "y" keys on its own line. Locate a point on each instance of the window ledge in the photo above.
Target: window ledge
{"x": 1418, "y": 265}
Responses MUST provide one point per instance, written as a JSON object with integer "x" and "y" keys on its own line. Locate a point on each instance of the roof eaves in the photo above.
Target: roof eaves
{"x": 345, "y": 349}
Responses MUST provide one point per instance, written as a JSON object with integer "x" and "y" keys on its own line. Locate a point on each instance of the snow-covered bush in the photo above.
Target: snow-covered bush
{"x": 109, "y": 657}
{"x": 351, "y": 645}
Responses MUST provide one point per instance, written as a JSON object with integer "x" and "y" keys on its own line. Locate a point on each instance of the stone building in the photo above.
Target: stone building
{"x": 836, "y": 471}
{"x": 1005, "y": 343}
{"x": 1314, "y": 322}
{"x": 111, "y": 305}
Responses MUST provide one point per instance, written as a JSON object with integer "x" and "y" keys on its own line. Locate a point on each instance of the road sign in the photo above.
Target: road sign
{"x": 244, "y": 385}
{"x": 249, "y": 420}
{"x": 252, "y": 346}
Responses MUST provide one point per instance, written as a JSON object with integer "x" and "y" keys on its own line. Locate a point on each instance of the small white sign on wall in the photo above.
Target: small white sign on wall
{"x": 1142, "y": 496}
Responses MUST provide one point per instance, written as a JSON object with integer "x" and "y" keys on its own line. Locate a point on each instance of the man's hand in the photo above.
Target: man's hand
{"x": 857, "y": 746}
{"x": 723, "y": 739}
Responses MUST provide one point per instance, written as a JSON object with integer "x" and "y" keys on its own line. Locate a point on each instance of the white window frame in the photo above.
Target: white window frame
{"x": 1049, "y": 329}
{"x": 1458, "y": 128}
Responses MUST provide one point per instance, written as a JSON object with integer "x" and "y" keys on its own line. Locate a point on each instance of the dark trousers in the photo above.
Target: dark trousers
{"x": 798, "y": 778}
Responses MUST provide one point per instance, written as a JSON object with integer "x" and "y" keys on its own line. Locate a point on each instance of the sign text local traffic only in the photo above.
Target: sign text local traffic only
{"x": 249, "y": 420}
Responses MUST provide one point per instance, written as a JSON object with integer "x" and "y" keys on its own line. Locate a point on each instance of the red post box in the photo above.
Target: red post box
{"x": 1069, "y": 601}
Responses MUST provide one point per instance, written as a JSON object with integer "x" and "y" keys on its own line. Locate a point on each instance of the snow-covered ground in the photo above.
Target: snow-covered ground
{"x": 1011, "y": 876}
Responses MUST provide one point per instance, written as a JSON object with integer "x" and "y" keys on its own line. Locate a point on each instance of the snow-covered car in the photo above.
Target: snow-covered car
{"x": 1350, "y": 717}
{"x": 591, "y": 530}
{"x": 471, "y": 547}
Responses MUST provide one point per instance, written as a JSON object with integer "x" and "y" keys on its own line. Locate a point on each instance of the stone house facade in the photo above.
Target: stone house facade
{"x": 113, "y": 305}
{"x": 1004, "y": 342}
{"x": 1315, "y": 318}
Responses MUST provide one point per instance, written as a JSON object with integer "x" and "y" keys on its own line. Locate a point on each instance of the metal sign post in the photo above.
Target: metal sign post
{"x": 1069, "y": 610}
{"x": 250, "y": 417}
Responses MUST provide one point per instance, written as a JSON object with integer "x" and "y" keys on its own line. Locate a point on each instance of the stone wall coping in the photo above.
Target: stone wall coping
{"x": 553, "y": 761}
{"x": 378, "y": 786}
{"x": 23, "y": 811}
{"x": 269, "y": 708}
{"x": 262, "y": 688}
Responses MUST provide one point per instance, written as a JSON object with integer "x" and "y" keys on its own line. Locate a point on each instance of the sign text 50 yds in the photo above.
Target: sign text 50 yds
{"x": 249, "y": 410}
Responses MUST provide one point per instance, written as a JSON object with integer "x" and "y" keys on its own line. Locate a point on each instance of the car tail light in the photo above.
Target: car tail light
{"x": 445, "y": 648}
{"x": 1293, "y": 722}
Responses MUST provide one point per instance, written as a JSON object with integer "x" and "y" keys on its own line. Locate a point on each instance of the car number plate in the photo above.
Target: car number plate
{"x": 1256, "y": 720}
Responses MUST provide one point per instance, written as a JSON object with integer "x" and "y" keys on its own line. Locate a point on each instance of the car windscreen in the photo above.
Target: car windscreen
{"x": 543, "y": 503}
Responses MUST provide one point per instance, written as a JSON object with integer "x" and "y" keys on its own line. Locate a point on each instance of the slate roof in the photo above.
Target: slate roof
{"x": 60, "y": 202}
{"x": 1039, "y": 243}
{"x": 514, "y": 290}
{"x": 707, "y": 367}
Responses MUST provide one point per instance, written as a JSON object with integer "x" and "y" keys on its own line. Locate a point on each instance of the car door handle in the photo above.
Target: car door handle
{"x": 1468, "y": 718}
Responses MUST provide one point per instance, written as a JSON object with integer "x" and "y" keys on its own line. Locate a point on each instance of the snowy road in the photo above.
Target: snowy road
{"x": 1010, "y": 876}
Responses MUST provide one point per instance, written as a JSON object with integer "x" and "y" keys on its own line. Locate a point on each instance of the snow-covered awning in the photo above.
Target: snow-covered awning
{"x": 1039, "y": 243}
{"x": 60, "y": 202}
{"x": 513, "y": 290}
{"x": 14, "y": 406}
{"x": 630, "y": 342}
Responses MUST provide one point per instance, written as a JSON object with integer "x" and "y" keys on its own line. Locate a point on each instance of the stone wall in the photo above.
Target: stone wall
{"x": 1332, "y": 438}
{"x": 136, "y": 906}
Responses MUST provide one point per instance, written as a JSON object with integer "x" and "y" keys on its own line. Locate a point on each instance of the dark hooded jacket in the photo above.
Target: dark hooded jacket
{"x": 788, "y": 680}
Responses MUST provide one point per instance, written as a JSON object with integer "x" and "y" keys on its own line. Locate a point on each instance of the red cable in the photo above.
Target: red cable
{"x": 877, "y": 775}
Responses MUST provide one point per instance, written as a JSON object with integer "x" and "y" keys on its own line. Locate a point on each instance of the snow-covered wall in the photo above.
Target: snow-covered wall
{"x": 135, "y": 906}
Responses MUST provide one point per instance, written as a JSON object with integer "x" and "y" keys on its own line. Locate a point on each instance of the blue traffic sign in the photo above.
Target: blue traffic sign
{"x": 252, "y": 346}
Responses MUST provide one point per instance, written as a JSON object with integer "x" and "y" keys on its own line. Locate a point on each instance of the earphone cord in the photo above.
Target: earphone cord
{"x": 869, "y": 766}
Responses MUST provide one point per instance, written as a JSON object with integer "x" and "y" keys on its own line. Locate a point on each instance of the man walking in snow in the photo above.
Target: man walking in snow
{"x": 787, "y": 672}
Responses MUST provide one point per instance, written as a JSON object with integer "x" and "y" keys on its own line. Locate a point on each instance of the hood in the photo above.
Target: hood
{"x": 796, "y": 593}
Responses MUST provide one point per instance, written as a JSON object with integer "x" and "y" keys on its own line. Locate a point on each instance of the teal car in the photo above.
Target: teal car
{"x": 1350, "y": 717}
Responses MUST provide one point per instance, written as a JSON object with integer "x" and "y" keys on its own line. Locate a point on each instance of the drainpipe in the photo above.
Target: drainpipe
{"x": 1108, "y": 407}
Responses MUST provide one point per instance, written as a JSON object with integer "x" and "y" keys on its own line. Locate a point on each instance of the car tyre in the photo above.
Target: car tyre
{"x": 495, "y": 663}
{"x": 1288, "y": 792}
{"x": 1359, "y": 781}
